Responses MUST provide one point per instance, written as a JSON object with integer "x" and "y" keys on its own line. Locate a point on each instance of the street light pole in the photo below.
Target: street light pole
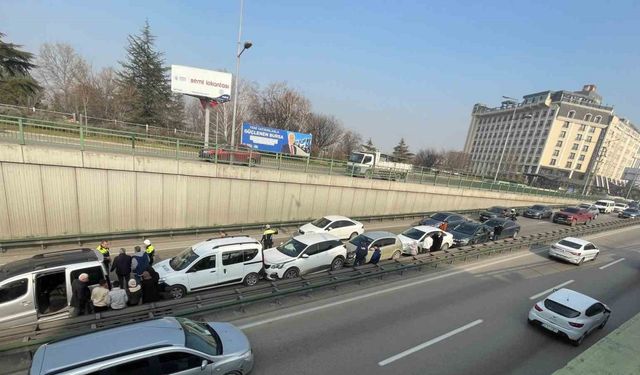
{"x": 235, "y": 94}
{"x": 513, "y": 119}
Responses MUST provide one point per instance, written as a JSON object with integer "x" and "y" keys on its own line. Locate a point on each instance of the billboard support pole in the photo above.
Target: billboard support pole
{"x": 206, "y": 124}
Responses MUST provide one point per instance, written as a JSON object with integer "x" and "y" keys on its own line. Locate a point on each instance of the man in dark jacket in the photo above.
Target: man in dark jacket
{"x": 375, "y": 257}
{"x": 122, "y": 267}
{"x": 80, "y": 295}
{"x": 150, "y": 292}
{"x": 437, "y": 241}
{"x": 361, "y": 253}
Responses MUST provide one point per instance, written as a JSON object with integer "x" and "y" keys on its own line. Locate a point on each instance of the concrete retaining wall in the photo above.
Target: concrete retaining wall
{"x": 47, "y": 191}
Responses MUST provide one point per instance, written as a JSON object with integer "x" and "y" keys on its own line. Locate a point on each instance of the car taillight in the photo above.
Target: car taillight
{"x": 576, "y": 253}
{"x": 577, "y": 325}
{"x": 537, "y": 307}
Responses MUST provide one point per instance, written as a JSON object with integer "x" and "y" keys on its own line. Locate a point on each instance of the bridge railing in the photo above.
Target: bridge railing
{"x": 26, "y": 130}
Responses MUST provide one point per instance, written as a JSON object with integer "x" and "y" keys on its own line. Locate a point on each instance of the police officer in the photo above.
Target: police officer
{"x": 103, "y": 249}
{"x": 267, "y": 237}
{"x": 150, "y": 250}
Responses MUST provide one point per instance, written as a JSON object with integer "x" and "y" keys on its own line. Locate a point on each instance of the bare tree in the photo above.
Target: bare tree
{"x": 59, "y": 69}
{"x": 456, "y": 160}
{"x": 280, "y": 106}
{"x": 350, "y": 142}
{"x": 427, "y": 158}
{"x": 326, "y": 131}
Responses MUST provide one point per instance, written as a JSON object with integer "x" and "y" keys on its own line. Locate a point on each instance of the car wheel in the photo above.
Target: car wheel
{"x": 515, "y": 235}
{"x": 581, "y": 261}
{"x": 444, "y": 247}
{"x": 353, "y": 235}
{"x": 604, "y": 322}
{"x": 578, "y": 341}
{"x": 251, "y": 279}
{"x": 396, "y": 254}
{"x": 177, "y": 291}
{"x": 337, "y": 263}
{"x": 291, "y": 273}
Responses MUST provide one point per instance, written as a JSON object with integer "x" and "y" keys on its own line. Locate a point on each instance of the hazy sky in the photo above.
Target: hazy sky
{"x": 387, "y": 69}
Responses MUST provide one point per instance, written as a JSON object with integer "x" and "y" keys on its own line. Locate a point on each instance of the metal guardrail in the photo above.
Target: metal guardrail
{"x": 25, "y": 130}
{"x": 29, "y": 336}
{"x": 43, "y": 242}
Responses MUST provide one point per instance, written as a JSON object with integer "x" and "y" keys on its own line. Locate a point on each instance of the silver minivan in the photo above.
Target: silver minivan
{"x": 38, "y": 289}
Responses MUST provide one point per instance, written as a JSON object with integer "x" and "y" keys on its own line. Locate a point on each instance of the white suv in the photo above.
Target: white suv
{"x": 211, "y": 263}
{"x": 339, "y": 226}
{"x": 304, "y": 254}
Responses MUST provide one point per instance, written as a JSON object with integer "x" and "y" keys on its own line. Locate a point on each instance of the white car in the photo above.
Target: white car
{"x": 574, "y": 250}
{"x": 569, "y": 314}
{"x": 619, "y": 207}
{"x": 211, "y": 263}
{"x": 304, "y": 254}
{"x": 339, "y": 226}
{"x": 416, "y": 236}
{"x": 605, "y": 206}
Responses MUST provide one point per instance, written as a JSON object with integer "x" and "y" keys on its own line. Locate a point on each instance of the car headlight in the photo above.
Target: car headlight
{"x": 277, "y": 266}
{"x": 161, "y": 280}
{"x": 463, "y": 241}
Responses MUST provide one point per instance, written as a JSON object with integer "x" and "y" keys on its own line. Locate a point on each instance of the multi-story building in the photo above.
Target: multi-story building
{"x": 557, "y": 134}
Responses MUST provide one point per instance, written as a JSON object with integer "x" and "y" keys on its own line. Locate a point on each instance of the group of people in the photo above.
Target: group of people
{"x": 137, "y": 282}
{"x": 363, "y": 250}
{"x": 430, "y": 243}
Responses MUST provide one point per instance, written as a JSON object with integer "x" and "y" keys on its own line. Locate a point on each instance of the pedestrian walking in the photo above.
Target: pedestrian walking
{"x": 122, "y": 267}
{"x": 139, "y": 263}
{"x": 100, "y": 297}
{"x": 375, "y": 257}
{"x": 134, "y": 293}
{"x": 117, "y": 297}
{"x": 267, "y": 237}
{"x": 149, "y": 288}
{"x": 150, "y": 250}
{"x": 361, "y": 253}
{"x": 444, "y": 225}
{"x": 80, "y": 295}
{"x": 103, "y": 249}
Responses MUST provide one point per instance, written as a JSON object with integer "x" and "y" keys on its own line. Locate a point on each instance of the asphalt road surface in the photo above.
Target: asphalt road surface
{"x": 469, "y": 319}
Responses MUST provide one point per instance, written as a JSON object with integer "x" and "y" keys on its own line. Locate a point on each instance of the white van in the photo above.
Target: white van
{"x": 211, "y": 263}
{"x": 605, "y": 206}
{"x": 38, "y": 289}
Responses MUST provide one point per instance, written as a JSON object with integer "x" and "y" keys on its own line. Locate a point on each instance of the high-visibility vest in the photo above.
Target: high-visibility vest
{"x": 270, "y": 232}
{"x": 103, "y": 250}
{"x": 150, "y": 249}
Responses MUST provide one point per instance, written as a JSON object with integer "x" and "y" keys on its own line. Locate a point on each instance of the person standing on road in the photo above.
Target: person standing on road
{"x": 375, "y": 257}
{"x": 427, "y": 245}
{"x": 267, "y": 237}
{"x": 100, "y": 297}
{"x": 80, "y": 295}
{"x": 117, "y": 297}
{"x": 361, "y": 253}
{"x": 134, "y": 293}
{"x": 122, "y": 267}
{"x": 437, "y": 242}
{"x": 103, "y": 249}
{"x": 150, "y": 250}
{"x": 139, "y": 263}
{"x": 149, "y": 288}
{"x": 444, "y": 225}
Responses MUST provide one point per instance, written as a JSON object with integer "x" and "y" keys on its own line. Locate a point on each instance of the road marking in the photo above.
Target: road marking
{"x": 611, "y": 264}
{"x": 551, "y": 290}
{"x": 382, "y": 291}
{"x": 429, "y": 343}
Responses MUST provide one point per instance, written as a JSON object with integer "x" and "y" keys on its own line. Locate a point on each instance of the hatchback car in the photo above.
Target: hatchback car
{"x": 438, "y": 218}
{"x": 339, "y": 226}
{"x": 502, "y": 228}
{"x": 390, "y": 245}
{"x": 569, "y": 314}
{"x": 304, "y": 254}
{"x": 619, "y": 207}
{"x": 538, "y": 211}
{"x": 470, "y": 233}
{"x": 416, "y": 236}
{"x": 161, "y": 346}
{"x": 629, "y": 213}
{"x": 574, "y": 250}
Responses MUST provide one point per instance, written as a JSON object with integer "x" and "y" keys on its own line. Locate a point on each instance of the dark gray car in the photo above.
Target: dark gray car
{"x": 438, "y": 218}
{"x": 629, "y": 213}
{"x": 494, "y": 212}
{"x": 470, "y": 233}
{"x": 538, "y": 211}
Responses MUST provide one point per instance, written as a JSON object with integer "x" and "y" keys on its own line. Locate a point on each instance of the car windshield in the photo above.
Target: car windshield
{"x": 561, "y": 309}
{"x": 584, "y": 205}
{"x": 356, "y": 157}
{"x": 570, "y": 244}
{"x": 632, "y": 210}
{"x": 496, "y": 210}
{"x": 601, "y": 203}
{"x": 572, "y": 210}
{"x": 292, "y": 248}
{"x": 494, "y": 223}
{"x": 321, "y": 223}
{"x": 439, "y": 216}
{"x": 413, "y": 233}
{"x": 361, "y": 239}
{"x": 466, "y": 228}
{"x": 183, "y": 260}
{"x": 537, "y": 208}
{"x": 200, "y": 336}
{"x": 620, "y": 204}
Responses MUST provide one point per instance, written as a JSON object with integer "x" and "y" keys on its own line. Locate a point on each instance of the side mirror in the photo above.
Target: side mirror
{"x": 204, "y": 364}
{"x": 304, "y": 256}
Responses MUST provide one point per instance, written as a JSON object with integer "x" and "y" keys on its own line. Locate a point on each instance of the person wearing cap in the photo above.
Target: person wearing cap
{"x": 267, "y": 237}
{"x": 134, "y": 293}
{"x": 103, "y": 249}
{"x": 150, "y": 250}
{"x": 80, "y": 296}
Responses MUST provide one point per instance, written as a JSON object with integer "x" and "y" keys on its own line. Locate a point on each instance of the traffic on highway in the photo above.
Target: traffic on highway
{"x": 43, "y": 288}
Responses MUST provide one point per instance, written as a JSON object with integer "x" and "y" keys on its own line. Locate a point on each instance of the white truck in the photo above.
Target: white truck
{"x": 377, "y": 165}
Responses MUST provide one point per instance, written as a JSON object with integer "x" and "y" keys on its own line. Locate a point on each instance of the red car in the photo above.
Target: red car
{"x": 242, "y": 155}
{"x": 573, "y": 216}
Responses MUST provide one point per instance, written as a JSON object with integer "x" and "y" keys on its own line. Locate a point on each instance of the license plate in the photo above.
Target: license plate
{"x": 550, "y": 328}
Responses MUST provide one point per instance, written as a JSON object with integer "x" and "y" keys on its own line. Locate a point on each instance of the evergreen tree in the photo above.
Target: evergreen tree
{"x": 401, "y": 152}
{"x": 145, "y": 76}
{"x": 16, "y": 83}
{"x": 369, "y": 147}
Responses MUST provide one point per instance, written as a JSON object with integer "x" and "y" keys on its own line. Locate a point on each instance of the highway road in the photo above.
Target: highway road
{"x": 469, "y": 319}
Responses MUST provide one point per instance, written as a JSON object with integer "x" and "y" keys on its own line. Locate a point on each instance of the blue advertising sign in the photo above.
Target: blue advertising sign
{"x": 266, "y": 139}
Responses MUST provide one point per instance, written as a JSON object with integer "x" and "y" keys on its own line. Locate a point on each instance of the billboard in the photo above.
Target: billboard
{"x": 266, "y": 139}
{"x": 201, "y": 83}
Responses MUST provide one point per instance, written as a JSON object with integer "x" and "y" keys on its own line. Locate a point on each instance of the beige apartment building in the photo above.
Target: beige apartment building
{"x": 563, "y": 135}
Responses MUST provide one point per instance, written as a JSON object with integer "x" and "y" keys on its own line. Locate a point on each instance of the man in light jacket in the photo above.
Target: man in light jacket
{"x": 117, "y": 297}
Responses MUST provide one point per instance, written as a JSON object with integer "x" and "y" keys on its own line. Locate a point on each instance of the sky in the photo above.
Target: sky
{"x": 386, "y": 69}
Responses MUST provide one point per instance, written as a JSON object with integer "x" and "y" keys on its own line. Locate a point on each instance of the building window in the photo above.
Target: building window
{"x": 587, "y": 117}
{"x": 559, "y": 144}
{"x": 583, "y": 127}
{"x": 597, "y": 119}
{"x": 556, "y": 152}
{"x": 589, "y": 139}
{"x": 552, "y": 162}
{"x": 568, "y": 165}
{"x": 579, "y": 137}
{"x": 578, "y": 166}
{"x": 572, "y": 155}
{"x": 585, "y": 148}
{"x": 563, "y": 134}
{"x": 592, "y": 129}
{"x": 571, "y": 114}
{"x": 581, "y": 158}
{"x": 575, "y": 146}
{"x": 566, "y": 124}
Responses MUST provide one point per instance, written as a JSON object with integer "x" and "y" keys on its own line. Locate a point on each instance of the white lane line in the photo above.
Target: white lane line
{"x": 611, "y": 264}
{"x": 429, "y": 343}
{"x": 382, "y": 291}
{"x": 551, "y": 289}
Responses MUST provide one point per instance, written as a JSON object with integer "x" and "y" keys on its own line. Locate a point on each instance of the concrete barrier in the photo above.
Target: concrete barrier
{"x": 49, "y": 191}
